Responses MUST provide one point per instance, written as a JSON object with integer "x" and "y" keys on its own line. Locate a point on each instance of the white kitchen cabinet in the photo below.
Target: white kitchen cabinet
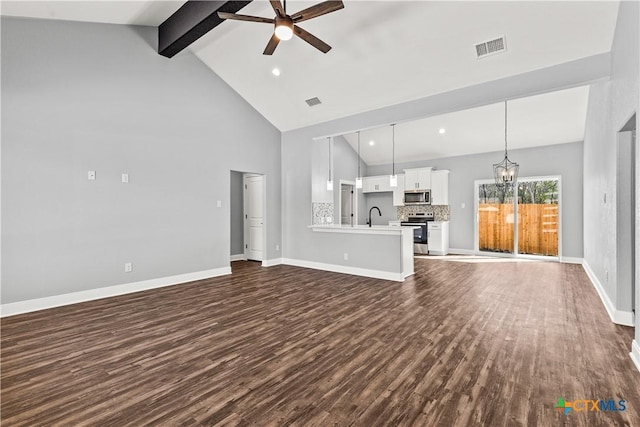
{"x": 375, "y": 184}
{"x": 440, "y": 187}
{"x": 398, "y": 192}
{"x": 417, "y": 179}
{"x": 438, "y": 237}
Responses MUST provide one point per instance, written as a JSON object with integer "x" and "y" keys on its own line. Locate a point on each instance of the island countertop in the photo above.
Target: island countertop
{"x": 362, "y": 229}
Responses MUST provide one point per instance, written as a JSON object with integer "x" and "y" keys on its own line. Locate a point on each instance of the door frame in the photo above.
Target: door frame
{"x": 246, "y": 175}
{"x": 355, "y": 201}
{"x": 515, "y": 254}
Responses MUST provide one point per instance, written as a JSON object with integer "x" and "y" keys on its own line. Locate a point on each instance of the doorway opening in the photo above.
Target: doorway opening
{"x": 626, "y": 218}
{"x": 254, "y": 216}
{"x": 236, "y": 216}
{"x": 348, "y": 203}
{"x": 522, "y": 220}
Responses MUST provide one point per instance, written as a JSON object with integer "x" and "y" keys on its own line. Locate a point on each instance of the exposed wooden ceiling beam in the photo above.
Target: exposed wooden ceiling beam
{"x": 192, "y": 21}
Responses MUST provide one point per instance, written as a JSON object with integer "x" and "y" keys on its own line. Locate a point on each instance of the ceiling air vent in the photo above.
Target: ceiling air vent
{"x": 311, "y": 102}
{"x": 490, "y": 47}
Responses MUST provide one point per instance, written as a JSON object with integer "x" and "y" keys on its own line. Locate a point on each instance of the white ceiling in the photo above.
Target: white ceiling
{"x": 389, "y": 52}
{"x": 552, "y": 118}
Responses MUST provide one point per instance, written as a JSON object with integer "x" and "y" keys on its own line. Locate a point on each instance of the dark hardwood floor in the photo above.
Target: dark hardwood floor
{"x": 458, "y": 344}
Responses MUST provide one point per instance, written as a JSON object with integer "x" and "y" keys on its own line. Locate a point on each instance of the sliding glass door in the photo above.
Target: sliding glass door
{"x": 538, "y": 217}
{"x": 495, "y": 218}
{"x": 525, "y": 223}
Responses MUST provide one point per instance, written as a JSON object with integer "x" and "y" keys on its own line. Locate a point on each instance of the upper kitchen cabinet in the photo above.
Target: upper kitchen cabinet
{"x": 417, "y": 179}
{"x": 375, "y": 184}
{"x": 440, "y": 187}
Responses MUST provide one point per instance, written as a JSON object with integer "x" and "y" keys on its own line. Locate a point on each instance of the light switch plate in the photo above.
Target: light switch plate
{"x": 125, "y": 178}
{"x": 219, "y": 203}
{"x": 91, "y": 175}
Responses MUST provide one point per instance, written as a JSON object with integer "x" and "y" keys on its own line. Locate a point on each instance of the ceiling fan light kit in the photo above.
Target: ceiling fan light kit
{"x": 285, "y": 25}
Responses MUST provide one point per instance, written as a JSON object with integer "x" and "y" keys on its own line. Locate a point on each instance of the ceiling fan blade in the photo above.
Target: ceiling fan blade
{"x": 277, "y": 7}
{"x": 237, "y": 17}
{"x": 311, "y": 39}
{"x": 317, "y": 10}
{"x": 271, "y": 46}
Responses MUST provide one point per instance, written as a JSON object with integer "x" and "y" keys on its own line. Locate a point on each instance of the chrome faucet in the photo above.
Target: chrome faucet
{"x": 379, "y": 213}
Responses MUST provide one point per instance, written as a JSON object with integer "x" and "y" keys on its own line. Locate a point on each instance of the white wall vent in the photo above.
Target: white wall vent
{"x": 491, "y": 47}
{"x": 313, "y": 101}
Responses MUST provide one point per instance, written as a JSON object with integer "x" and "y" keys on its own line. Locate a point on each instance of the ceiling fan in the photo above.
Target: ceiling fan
{"x": 285, "y": 25}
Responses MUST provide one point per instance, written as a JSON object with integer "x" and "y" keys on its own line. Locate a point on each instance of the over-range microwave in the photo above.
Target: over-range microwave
{"x": 418, "y": 197}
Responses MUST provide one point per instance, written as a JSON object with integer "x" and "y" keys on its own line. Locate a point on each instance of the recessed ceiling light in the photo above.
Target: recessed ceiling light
{"x": 276, "y": 71}
{"x": 441, "y": 131}
{"x": 372, "y": 143}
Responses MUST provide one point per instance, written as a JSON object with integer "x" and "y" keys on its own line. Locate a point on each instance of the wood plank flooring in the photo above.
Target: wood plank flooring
{"x": 458, "y": 344}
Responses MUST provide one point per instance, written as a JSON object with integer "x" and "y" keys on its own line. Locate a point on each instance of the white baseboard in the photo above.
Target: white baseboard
{"x": 635, "y": 354}
{"x": 619, "y": 317}
{"x": 461, "y": 251}
{"x": 237, "y": 257}
{"x": 571, "y": 260}
{"x": 20, "y": 307}
{"x": 271, "y": 262}
{"x": 375, "y": 274}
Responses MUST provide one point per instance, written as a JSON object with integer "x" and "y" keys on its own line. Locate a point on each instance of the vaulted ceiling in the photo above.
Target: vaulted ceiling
{"x": 385, "y": 53}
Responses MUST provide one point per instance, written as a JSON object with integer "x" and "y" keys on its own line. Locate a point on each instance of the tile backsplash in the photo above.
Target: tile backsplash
{"x": 322, "y": 213}
{"x": 440, "y": 212}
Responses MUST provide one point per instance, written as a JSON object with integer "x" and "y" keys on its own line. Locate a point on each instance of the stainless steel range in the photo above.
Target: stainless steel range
{"x": 420, "y": 234}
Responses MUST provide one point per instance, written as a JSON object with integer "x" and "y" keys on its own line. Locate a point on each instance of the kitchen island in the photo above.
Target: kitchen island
{"x": 380, "y": 251}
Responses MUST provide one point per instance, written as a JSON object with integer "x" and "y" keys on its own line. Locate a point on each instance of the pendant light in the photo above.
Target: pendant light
{"x": 329, "y": 180}
{"x": 358, "y": 177}
{"x": 505, "y": 172}
{"x": 393, "y": 178}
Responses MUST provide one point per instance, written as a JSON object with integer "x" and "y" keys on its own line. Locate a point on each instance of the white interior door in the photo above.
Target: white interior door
{"x": 254, "y": 217}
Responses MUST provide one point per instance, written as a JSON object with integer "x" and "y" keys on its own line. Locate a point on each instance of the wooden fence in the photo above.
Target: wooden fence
{"x": 537, "y": 228}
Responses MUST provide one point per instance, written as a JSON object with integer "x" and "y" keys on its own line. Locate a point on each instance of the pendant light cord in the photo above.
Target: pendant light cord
{"x": 358, "y": 155}
{"x": 505, "y": 129}
{"x": 329, "y": 140}
{"x": 393, "y": 149}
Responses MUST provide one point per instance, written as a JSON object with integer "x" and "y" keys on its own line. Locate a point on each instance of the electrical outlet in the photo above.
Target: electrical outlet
{"x": 128, "y": 267}
{"x": 346, "y": 256}
{"x": 91, "y": 175}
{"x": 125, "y": 178}
{"x": 219, "y": 203}
{"x": 277, "y": 247}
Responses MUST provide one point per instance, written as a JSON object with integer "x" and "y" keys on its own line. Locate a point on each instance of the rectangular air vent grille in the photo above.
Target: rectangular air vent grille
{"x": 491, "y": 47}
{"x": 313, "y": 102}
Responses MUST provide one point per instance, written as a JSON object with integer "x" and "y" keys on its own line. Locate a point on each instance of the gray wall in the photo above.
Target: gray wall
{"x": 611, "y": 104}
{"x": 236, "y": 208}
{"x": 301, "y": 243}
{"x": 345, "y": 167}
{"x": 384, "y": 202}
{"x": 83, "y": 96}
{"x": 561, "y": 159}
